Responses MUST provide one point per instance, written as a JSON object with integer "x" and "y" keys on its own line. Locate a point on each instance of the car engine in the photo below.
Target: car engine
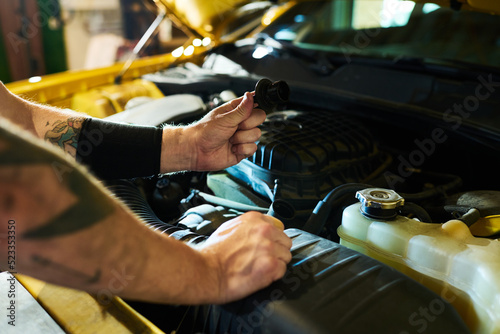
{"x": 313, "y": 157}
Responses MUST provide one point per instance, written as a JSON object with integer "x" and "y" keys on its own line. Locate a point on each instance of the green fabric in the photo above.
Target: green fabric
{"x": 54, "y": 49}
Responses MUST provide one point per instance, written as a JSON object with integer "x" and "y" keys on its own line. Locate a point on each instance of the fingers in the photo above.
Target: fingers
{"x": 245, "y": 136}
{"x": 252, "y": 251}
{"x": 273, "y": 267}
{"x": 280, "y": 269}
{"x": 280, "y": 241}
{"x": 240, "y": 112}
{"x": 244, "y": 150}
{"x": 271, "y": 264}
{"x": 234, "y": 103}
{"x": 257, "y": 117}
{"x": 243, "y": 143}
{"x": 275, "y": 221}
{"x": 240, "y": 109}
{"x": 283, "y": 253}
{"x": 268, "y": 270}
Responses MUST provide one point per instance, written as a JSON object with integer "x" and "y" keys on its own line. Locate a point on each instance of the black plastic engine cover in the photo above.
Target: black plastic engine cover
{"x": 310, "y": 153}
{"x": 329, "y": 288}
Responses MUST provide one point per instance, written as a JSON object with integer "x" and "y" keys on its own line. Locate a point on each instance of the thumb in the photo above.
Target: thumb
{"x": 241, "y": 111}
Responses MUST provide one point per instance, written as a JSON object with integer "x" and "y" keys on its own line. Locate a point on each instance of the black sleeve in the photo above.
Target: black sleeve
{"x": 119, "y": 151}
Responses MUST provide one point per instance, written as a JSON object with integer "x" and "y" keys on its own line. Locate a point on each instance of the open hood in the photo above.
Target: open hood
{"x": 224, "y": 19}
{"x": 211, "y": 18}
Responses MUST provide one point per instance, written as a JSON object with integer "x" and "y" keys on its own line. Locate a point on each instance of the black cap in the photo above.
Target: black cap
{"x": 270, "y": 94}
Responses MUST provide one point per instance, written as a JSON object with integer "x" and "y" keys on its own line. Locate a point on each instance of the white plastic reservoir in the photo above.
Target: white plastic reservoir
{"x": 447, "y": 258}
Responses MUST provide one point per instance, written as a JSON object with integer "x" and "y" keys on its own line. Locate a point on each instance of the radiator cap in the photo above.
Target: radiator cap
{"x": 379, "y": 203}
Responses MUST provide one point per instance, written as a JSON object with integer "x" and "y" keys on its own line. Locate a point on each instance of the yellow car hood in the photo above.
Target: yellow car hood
{"x": 202, "y": 16}
{"x": 205, "y": 18}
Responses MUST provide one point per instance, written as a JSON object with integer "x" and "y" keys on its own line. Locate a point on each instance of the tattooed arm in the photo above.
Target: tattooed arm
{"x": 59, "y": 127}
{"x": 221, "y": 139}
{"x": 70, "y": 231}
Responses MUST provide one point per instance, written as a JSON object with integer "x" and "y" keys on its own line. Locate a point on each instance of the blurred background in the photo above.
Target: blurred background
{"x": 39, "y": 37}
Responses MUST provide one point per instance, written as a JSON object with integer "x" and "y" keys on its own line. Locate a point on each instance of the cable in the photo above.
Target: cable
{"x": 416, "y": 210}
{"x": 320, "y": 214}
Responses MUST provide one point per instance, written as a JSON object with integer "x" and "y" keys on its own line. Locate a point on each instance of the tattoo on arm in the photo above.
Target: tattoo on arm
{"x": 65, "y": 134}
{"x": 93, "y": 204}
{"x": 91, "y": 208}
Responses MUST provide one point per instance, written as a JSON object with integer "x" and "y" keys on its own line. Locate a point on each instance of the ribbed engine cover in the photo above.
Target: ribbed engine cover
{"x": 329, "y": 288}
{"x": 309, "y": 153}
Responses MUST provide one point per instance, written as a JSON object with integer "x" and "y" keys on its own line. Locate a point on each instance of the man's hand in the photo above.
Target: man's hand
{"x": 221, "y": 139}
{"x": 247, "y": 254}
{"x": 73, "y": 232}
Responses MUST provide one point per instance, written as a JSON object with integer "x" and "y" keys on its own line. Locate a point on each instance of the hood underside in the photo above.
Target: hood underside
{"x": 204, "y": 17}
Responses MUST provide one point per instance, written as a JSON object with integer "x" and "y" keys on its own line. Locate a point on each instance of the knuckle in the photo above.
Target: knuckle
{"x": 281, "y": 270}
{"x": 255, "y": 134}
{"x": 237, "y": 137}
{"x": 267, "y": 265}
{"x": 247, "y": 151}
{"x": 265, "y": 230}
{"x": 241, "y": 110}
{"x": 252, "y": 215}
{"x": 267, "y": 246}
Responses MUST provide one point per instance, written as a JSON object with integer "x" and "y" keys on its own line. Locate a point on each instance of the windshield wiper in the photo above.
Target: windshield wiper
{"x": 446, "y": 63}
{"x": 448, "y": 67}
{"x": 326, "y": 62}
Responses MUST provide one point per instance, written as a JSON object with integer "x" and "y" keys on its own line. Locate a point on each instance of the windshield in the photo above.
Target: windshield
{"x": 391, "y": 28}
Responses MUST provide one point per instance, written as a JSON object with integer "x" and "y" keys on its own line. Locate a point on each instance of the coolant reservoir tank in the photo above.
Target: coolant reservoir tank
{"x": 462, "y": 269}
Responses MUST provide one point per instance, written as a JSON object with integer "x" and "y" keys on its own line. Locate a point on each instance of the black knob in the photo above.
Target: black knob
{"x": 270, "y": 94}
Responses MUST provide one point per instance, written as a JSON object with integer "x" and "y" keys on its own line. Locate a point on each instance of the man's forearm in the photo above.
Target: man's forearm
{"x": 13, "y": 111}
{"x": 71, "y": 232}
{"x": 119, "y": 256}
{"x": 124, "y": 150}
{"x": 59, "y": 127}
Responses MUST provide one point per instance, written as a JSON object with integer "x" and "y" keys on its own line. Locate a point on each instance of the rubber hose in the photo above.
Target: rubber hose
{"x": 320, "y": 214}
{"x": 130, "y": 194}
{"x": 419, "y": 212}
{"x": 470, "y": 215}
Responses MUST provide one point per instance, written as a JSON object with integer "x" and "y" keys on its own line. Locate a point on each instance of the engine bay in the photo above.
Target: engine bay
{"x": 305, "y": 152}
{"x": 309, "y": 156}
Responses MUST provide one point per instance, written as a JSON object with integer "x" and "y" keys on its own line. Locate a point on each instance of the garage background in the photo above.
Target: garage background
{"x": 40, "y": 37}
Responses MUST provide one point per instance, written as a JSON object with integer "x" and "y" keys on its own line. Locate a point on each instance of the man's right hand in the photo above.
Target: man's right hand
{"x": 246, "y": 254}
